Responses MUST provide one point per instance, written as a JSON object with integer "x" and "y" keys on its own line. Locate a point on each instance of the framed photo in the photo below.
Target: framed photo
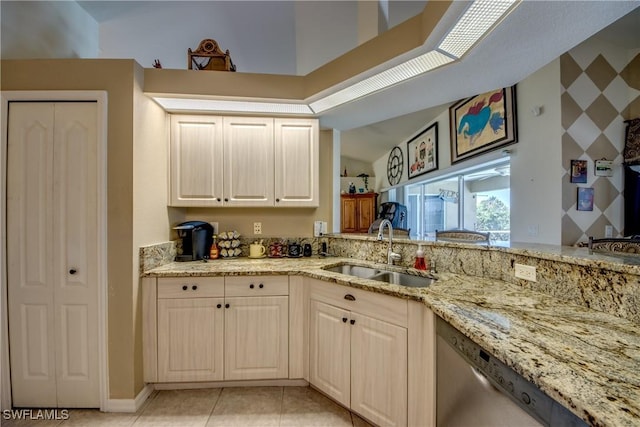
{"x": 483, "y": 123}
{"x": 422, "y": 151}
{"x": 585, "y": 199}
{"x": 578, "y": 172}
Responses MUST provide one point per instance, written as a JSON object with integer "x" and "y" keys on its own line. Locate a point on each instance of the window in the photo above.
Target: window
{"x": 477, "y": 199}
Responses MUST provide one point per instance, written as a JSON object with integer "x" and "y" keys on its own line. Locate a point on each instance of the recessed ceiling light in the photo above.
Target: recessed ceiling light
{"x": 478, "y": 19}
{"x": 191, "y": 104}
{"x": 382, "y": 80}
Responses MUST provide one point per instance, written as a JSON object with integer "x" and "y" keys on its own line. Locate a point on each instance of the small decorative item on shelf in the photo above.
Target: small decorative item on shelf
{"x": 208, "y": 56}
{"x": 229, "y": 244}
{"x": 365, "y": 179}
{"x": 352, "y": 188}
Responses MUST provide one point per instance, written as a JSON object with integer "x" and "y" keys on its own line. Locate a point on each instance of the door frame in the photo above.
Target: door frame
{"x": 100, "y": 97}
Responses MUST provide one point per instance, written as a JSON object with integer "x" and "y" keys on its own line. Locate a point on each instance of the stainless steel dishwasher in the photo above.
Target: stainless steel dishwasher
{"x": 475, "y": 389}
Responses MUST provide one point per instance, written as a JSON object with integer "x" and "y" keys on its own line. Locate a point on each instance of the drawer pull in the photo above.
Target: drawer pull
{"x": 261, "y": 286}
{"x": 226, "y": 306}
{"x": 219, "y": 305}
{"x": 194, "y": 287}
{"x": 352, "y": 321}
{"x": 344, "y": 320}
{"x": 349, "y": 297}
{"x": 251, "y": 286}
{"x": 184, "y": 287}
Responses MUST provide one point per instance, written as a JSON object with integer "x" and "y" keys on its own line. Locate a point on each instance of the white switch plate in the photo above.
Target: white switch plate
{"x": 319, "y": 228}
{"x": 526, "y": 272}
{"x": 214, "y": 225}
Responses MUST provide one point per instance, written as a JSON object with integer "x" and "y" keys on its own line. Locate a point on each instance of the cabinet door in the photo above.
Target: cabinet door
{"x": 296, "y": 162}
{"x": 379, "y": 371}
{"x": 256, "y": 338}
{"x": 196, "y": 162}
{"x": 190, "y": 339}
{"x": 366, "y": 213}
{"x": 329, "y": 351}
{"x": 248, "y": 161}
{"x": 349, "y": 208}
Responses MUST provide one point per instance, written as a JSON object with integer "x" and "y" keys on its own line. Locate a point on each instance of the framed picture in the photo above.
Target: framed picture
{"x": 578, "y": 172}
{"x": 585, "y": 199}
{"x": 422, "y": 151}
{"x": 482, "y": 123}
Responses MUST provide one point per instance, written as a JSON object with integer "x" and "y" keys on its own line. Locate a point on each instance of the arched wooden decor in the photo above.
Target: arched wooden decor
{"x": 209, "y": 56}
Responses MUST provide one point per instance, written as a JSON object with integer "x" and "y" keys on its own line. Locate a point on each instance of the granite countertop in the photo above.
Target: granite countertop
{"x": 586, "y": 360}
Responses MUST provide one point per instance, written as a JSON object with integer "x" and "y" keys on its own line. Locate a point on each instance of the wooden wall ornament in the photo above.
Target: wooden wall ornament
{"x": 209, "y": 56}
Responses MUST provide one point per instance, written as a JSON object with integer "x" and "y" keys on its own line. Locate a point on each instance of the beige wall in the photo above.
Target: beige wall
{"x": 278, "y": 222}
{"x": 116, "y": 78}
{"x": 151, "y": 217}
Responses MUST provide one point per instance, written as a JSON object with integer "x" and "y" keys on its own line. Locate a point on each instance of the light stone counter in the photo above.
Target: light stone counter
{"x": 587, "y": 360}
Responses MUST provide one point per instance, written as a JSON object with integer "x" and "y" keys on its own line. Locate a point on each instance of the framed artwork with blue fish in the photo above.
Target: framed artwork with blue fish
{"x": 483, "y": 123}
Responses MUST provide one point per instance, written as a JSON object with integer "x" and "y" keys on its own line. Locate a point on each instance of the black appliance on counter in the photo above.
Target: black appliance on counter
{"x": 196, "y": 239}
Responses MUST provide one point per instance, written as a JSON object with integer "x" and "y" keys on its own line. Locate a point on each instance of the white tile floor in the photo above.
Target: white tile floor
{"x": 250, "y": 406}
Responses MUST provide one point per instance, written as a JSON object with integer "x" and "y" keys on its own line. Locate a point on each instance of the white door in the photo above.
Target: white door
{"x": 329, "y": 351}
{"x": 379, "y": 371}
{"x": 296, "y": 162}
{"x": 52, "y": 255}
{"x": 248, "y": 161}
{"x": 196, "y": 161}
{"x": 256, "y": 338}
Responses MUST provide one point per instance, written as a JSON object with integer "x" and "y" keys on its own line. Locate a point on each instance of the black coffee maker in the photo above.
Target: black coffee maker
{"x": 196, "y": 239}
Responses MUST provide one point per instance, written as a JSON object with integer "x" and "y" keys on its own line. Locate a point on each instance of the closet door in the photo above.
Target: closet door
{"x": 52, "y": 254}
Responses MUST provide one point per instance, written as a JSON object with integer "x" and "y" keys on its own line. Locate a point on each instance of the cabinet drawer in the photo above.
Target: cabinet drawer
{"x": 242, "y": 286}
{"x": 382, "y": 307}
{"x": 190, "y": 287}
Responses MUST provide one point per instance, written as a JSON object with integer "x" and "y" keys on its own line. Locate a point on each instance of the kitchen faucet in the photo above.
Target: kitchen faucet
{"x": 391, "y": 256}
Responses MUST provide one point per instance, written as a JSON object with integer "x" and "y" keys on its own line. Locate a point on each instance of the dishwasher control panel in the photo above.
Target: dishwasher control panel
{"x": 526, "y": 394}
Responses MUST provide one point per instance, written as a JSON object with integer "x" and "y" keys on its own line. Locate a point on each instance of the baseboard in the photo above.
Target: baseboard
{"x": 129, "y": 405}
{"x": 221, "y": 384}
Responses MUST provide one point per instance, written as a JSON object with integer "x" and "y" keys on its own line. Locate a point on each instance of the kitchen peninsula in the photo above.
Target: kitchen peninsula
{"x": 578, "y": 341}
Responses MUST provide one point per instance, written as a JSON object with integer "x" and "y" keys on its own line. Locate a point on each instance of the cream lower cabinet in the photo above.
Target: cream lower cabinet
{"x": 358, "y": 351}
{"x": 214, "y": 329}
{"x": 256, "y": 338}
{"x": 190, "y": 339}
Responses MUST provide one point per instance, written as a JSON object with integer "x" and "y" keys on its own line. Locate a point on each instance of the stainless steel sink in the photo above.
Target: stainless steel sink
{"x": 391, "y": 277}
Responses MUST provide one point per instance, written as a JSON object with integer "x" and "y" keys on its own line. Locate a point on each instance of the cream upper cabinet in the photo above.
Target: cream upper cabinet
{"x": 248, "y": 161}
{"x": 296, "y": 162}
{"x": 196, "y": 161}
{"x": 243, "y": 161}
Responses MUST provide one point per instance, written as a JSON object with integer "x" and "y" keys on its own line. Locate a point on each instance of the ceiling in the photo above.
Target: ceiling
{"x": 533, "y": 35}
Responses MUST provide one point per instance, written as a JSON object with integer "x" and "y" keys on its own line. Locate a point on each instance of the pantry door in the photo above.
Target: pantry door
{"x": 52, "y": 254}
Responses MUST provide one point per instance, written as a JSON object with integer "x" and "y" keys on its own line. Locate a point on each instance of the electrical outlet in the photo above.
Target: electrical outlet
{"x": 526, "y": 272}
{"x": 608, "y": 231}
{"x": 257, "y": 228}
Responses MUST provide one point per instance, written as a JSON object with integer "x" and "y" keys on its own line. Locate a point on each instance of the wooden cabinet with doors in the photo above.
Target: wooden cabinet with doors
{"x": 358, "y": 351}
{"x": 358, "y": 211}
{"x": 243, "y": 161}
{"x": 215, "y": 328}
